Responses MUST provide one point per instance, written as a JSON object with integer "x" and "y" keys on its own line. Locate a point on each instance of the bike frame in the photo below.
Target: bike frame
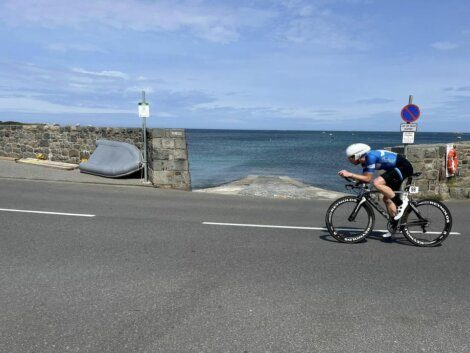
{"x": 364, "y": 196}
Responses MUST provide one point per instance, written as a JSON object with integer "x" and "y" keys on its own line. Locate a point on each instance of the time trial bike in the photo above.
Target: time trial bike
{"x": 350, "y": 219}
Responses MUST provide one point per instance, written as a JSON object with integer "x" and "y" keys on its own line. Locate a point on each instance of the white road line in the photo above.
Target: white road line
{"x": 293, "y": 227}
{"x": 46, "y": 212}
{"x": 259, "y": 226}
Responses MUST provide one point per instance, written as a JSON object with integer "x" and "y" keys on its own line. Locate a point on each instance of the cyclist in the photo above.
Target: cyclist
{"x": 397, "y": 168}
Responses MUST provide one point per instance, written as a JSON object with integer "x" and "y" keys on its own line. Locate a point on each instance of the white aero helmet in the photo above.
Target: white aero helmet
{"x": 357, "y": 150}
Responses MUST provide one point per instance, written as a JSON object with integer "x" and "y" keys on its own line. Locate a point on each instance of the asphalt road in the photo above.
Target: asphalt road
{"x": 145, "y": 274}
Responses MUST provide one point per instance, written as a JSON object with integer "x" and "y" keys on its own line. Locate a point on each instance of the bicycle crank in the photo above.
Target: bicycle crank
{"x": 392, "y": 226}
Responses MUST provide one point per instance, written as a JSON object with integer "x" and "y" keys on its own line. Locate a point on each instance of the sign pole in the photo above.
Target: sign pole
{"x": 145, "y": 141}
{"x": 405, "y": 151}
{"x": 144, "y": 114}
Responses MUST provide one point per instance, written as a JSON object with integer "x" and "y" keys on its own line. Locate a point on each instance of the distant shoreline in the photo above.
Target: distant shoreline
{"x": 150, "y": 126}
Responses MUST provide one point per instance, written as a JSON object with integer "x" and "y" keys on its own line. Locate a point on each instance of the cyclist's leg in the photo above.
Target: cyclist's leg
{"x": 391, "y": 207}
{"x": 388, "y": 194}
{"x": 403, "y": 170}
{"x": 381, "y": 185}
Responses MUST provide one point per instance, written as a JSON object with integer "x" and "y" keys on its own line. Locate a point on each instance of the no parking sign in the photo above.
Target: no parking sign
{"x": 410, "y": 113}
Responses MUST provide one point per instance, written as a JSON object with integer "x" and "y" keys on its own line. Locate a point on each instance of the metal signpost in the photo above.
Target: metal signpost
{"x": 409, "y": 113}
{"x": 144, "y": 113}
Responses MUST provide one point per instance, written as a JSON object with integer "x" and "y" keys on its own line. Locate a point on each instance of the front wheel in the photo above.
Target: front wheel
{"x": 426, "y": 222}
{"x": 348, "y": 221}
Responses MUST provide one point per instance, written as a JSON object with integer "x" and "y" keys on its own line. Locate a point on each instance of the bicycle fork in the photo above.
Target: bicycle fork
{"x": 354, "y": 213}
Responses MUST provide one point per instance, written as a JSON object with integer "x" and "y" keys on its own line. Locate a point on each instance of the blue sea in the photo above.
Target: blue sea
{"x": 314, "y": 157}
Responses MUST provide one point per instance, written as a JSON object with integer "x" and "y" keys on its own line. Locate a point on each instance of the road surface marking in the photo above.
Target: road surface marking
{"x": 259, "y": 226}
{"x": 46, "y": 212}
{"x": 293, "y": 227}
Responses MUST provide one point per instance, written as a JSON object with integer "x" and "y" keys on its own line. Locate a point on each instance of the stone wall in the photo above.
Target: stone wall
{"x": 67, "y": 144}
{"x": 460, "y": 186}
{"x": 168, "y": 159}
{"x": 167, "y": 154}
{"x": 431, "y": 161}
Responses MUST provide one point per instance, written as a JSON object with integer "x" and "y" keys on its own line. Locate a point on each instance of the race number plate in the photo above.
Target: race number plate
{"x": 414, "y": 189}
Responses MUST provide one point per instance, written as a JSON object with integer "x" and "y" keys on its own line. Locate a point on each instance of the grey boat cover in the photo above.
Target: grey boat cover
{"x": 113, "y": 159}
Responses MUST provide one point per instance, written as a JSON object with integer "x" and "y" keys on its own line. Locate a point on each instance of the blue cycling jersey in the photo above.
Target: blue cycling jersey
{"x": 379, "y": 159}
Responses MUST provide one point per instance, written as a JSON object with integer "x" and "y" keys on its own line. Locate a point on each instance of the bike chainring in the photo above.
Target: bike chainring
{"x": 392, "y": 226}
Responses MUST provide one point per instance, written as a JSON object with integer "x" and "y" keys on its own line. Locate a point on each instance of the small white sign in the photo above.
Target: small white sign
{"x": 408, "y": 137}
{"x": 414, "y": 189}
{"x": 144, "y": 110}
{"x": 409, "y": 127}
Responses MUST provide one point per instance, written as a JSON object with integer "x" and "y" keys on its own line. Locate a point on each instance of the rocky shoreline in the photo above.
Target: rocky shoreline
{"x": 277, "y": 187}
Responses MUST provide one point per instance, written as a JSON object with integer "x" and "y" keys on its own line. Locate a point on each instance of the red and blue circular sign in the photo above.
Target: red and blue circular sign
{"x": 410, "y": 113}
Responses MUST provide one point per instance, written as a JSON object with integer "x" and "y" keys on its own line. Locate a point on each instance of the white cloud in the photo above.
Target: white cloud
{"x": 64, "y": 48}
{"x": 33, "y": 105}
{"x": 139, "y": 89}
{"x": 321, "y": 32}
{"x": 164, "y": 115}
{"x": 215, "y": 23}
{"x": 219, "y": 34}
{"x": 374, "y": 101}
{"x": 444, "y": 45}
{"x": 317, "y": 25}
{"x": 110, "y": 74}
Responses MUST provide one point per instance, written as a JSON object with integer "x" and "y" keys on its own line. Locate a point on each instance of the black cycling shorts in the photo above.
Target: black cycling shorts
{"x": 394, "y": 177}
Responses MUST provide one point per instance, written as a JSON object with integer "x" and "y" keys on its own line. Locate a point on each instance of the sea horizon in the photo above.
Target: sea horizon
{"x": 319, "y": 130}
{"x": 150, "y": 125}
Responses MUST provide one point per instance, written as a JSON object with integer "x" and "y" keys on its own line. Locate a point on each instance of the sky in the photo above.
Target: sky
{"x": 271, "y": 64}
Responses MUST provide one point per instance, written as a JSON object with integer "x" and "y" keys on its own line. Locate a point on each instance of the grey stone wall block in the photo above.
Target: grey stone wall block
{"x": 415, "y": 154}
{"x": 459, "y": 193}
{"x": 157, "y": 143}
{"x": 423, "y": 184}
{"x": 178, "y": 165}
{"x": 180, "y": 154}
{"x": 44, "y": 143}
{"x": 158, "y": 133}
{"x": 180, "y": 143}
{"x": 160, "y": 178}
{"x": 161, "y": 154}
{"x": 74, "y": 153}
{"x": 177, "y": 133}
{"x": 169, "y": 165}
{"x": 168, "y": 143}
{"x": 171, "y": 180}
{"x": 156, "y": 165}
{"x": 431, "y": 152}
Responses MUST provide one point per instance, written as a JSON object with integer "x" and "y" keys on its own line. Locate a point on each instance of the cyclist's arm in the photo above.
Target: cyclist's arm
{"x": 366, "y": 177}
{"x": 367, "y": 170}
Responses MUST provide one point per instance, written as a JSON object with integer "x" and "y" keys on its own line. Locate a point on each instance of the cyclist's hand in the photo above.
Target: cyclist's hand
{"x": 345, "y": 174}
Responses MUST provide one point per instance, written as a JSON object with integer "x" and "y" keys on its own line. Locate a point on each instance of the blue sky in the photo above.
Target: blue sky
{"x": 272, "y": 64}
